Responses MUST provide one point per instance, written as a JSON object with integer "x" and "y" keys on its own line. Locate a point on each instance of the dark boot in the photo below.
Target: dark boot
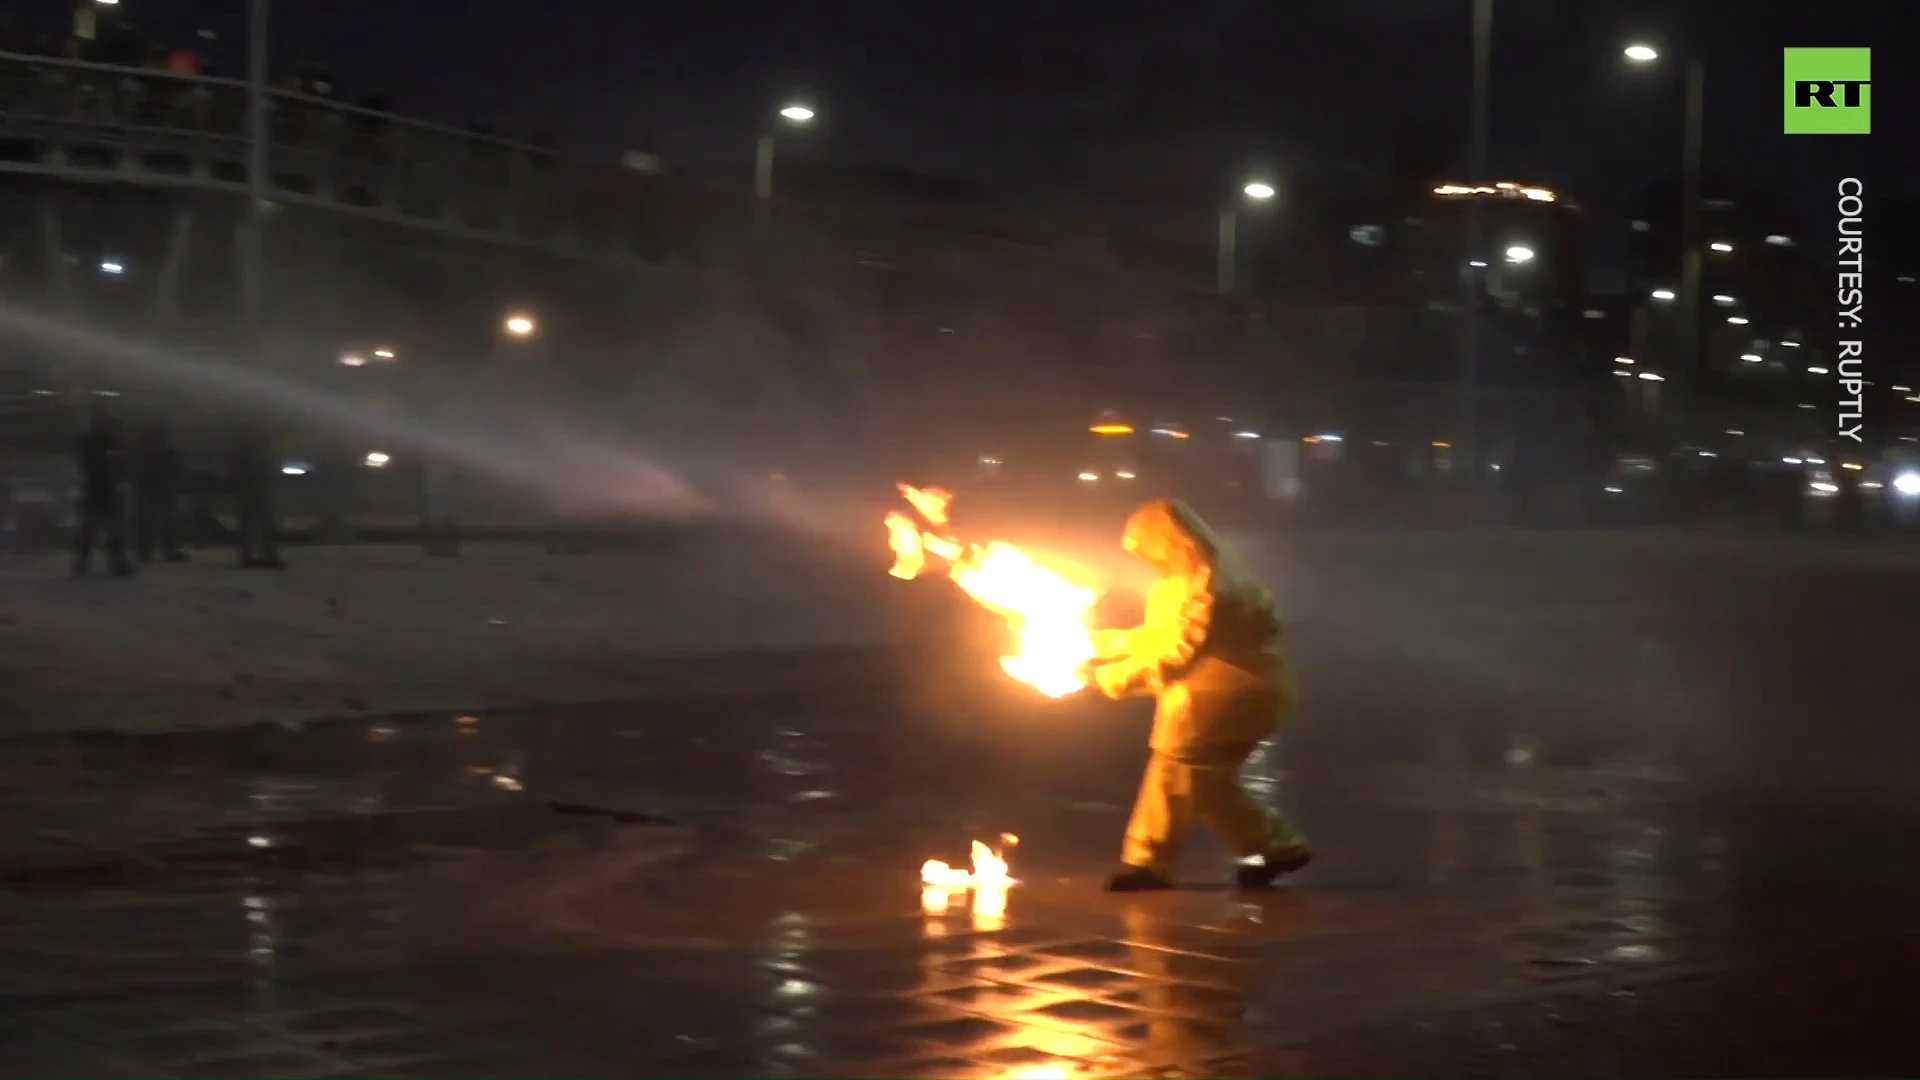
{"x": 1271, "y": 867}
{"x": 1137, "y": 879}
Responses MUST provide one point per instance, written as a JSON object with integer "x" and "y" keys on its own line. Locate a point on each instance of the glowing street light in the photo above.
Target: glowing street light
{"x": 383, "y": 354}
{"x": 112, "y": 267}
{"x": 1721, "y": 246}
{"x": 376, "y": 460}
{"x": 1663, "y": 295}
{"x": 1693, "y": 137}
{"x": 1228, "y": 252}
{"x": 1519, "y": 254}
{"x": 795, "y": 115}
{"x": 352, "y": 359}
{"x": 519, "y": 325}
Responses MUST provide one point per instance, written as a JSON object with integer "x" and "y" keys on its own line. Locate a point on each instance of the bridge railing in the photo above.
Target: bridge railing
{"x": 92, "y": 122}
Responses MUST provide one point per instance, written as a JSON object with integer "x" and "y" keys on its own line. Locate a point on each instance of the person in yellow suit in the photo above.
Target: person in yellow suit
{"x": 1211, "y": 654}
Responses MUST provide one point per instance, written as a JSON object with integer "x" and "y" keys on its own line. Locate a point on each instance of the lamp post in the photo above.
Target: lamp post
{"x": 1691, "y": 248}
{"x": 1227, "y": 272}
{"x": 253, "y": 457}
{"x": 1686, "y": 368}
{"x": 792, "y": 115}
{"x": 1466, "y": 441}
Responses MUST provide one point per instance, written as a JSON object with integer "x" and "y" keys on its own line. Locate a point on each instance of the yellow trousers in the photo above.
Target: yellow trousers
{"x": 1203, "y": 784}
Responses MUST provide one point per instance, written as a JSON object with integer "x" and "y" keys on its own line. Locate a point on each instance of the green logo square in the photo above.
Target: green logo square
{"x": 1828, "y": 92}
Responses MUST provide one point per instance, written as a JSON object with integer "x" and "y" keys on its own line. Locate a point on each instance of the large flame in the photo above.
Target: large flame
{"x": 1047, "y": 612}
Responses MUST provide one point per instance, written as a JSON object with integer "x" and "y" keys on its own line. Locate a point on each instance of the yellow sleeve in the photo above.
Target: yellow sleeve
{"x": 1179, "y": 615}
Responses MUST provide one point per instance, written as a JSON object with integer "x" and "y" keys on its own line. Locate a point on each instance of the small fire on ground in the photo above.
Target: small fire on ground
{"x": 987, "y": 881}
{"x": 1048, "y": 612}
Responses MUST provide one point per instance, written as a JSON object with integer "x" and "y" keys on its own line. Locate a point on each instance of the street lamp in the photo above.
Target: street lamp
{"x": 1226, "y": 273}
{"x": 1480, "y": 122}
{"x": 1690, "y": 153}
{"x": 793, "y": 114}
{"x": 519, "y": 325}
{"x": 1518, "y": 254}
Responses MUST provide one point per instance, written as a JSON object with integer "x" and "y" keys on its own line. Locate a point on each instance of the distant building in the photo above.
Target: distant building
{"x": 1362, "y": 282}
{"x": 1765, "y": 351}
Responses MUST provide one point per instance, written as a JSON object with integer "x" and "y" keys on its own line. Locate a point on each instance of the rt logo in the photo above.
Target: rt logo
{"x": 1828, "y": 92}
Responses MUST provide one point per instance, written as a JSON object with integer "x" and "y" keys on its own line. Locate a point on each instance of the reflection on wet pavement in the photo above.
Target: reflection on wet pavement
{"x": 730, "y": 886}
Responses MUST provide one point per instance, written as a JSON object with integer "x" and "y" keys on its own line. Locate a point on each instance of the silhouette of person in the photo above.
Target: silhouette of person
{"x": 156, "y": 495}
{"x": 249, "y": 468}
{"x": 98, "y": 452}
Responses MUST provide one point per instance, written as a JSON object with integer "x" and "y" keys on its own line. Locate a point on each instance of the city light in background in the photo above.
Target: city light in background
{"x": 355, "y": 358}
{"x": 1512, "y": 211}
{"x": 1504, "y": 189}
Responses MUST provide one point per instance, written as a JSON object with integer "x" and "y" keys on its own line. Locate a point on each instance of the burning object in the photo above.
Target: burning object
{"x": 1047, "y": 612}
{"x": 987, "y": 881}
{"x": 989, "y": 869}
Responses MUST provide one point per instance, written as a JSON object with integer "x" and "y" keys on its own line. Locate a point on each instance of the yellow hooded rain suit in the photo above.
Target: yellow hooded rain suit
{"x": 1212, "y": 655}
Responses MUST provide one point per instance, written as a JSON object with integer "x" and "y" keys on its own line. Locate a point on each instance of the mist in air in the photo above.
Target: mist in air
{"x": 660, "y": 452}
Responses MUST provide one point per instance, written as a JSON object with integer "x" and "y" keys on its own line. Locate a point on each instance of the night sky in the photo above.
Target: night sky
{"x": 1044, "y": 93}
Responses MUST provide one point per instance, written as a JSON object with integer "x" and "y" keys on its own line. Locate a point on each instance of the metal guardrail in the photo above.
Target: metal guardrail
{"x": 96, "y": 123}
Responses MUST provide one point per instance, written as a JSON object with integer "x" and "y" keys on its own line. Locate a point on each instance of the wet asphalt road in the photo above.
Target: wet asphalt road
{"x": 1579, "y": 812}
